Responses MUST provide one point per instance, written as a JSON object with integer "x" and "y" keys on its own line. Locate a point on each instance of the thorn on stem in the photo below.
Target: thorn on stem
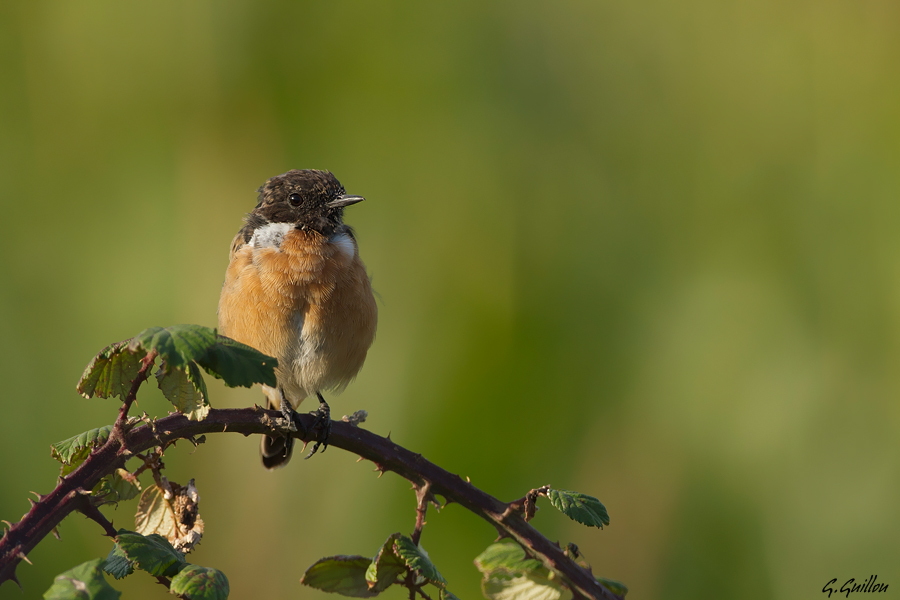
{"x": 22, "y": 556}
{"x": 501, "y": 534}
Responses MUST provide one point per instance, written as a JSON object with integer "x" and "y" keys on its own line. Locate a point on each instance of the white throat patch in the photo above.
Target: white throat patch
{"x": 270, "y": 236}
{"x": 344, "y": 244}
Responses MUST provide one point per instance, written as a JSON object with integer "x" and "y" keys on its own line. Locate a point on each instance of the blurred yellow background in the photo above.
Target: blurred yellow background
{"x": 648, "y": 251}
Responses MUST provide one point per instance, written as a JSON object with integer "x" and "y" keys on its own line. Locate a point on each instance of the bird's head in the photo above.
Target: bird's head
{"x": 310, "y": 199}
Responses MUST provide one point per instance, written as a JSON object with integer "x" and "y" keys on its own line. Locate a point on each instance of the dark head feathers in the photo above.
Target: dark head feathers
{"x": 313, "y": 186}
{"x": 308, "y": 198}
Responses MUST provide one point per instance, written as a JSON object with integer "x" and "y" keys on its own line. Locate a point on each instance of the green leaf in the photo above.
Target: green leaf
{"x": 616, "y": 587}
{"x": 117, "y": 564}
{"x": 585, "y": 509}
{"x": 238, "y": 364}
{"x": 124, "y": 484}
{"x": 501, "y": 585}
{"x": 200, "y": 583}
{"x": 185, "y": 389}
{"x": 111, "y": 372}
{"x": 417, "y": 560}
{"x": 384, "y": 570}
{"x": 117, "y": 486}
{"x": 445, "y": 595}
{"x": 345, "y": 575}
{"x": 178, "y": 345}
{"x": 77, "y": 448}
{"x": 84, "y": 582}
{"x": 507, "y": 556}
{"x": 235, "y": 363}
{"x": 151, "y": 553}
{"x": 103, "y": 492}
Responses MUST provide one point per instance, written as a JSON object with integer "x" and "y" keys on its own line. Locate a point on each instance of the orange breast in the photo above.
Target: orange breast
{"x": 309, "y": 303}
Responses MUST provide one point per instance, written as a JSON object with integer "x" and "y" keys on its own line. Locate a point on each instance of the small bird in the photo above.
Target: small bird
{"x": 297, "y": 290}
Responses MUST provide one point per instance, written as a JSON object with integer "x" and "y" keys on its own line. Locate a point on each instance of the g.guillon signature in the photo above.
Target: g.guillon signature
{"x": 852, "y": 587}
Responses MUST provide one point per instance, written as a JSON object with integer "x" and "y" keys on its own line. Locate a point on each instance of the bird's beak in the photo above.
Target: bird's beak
{"x": 345, "y": 200}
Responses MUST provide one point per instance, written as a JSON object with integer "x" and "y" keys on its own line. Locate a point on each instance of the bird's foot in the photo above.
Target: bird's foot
{"x": 289, "y": 413}
{"x": 292, "y": 423}
{"x": 322, "y": 424}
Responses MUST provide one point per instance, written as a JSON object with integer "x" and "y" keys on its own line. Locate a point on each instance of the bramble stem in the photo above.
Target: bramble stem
{"x": 46, "y": 514}
{"x": 146, "y": 364}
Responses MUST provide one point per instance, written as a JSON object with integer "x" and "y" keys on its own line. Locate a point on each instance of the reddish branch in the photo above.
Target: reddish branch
{"x": 423, "y": 497}
{"x": 146, "y": 365}
{"x": 428, "y": 479}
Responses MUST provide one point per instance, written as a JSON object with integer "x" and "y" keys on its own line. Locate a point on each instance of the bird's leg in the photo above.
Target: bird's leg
{"x": 291, "y": 415}
{"x": 323, "y": 422}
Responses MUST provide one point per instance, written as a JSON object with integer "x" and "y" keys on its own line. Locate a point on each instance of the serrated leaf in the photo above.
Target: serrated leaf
{"x": 238, "y": 364}
{"x": 200, "y": 583}
{"x": 155, "y": 514}
{"x": 507, "y": 556}
{"x": 509, "y": 574}
{"x": 501, "y": 585}
{"x": 175, "y": 518}
{"x": 386, "y": 567}
{"x": 417, "y": 560}
{"x": 84, "y": 582}
{"x": 151, "y": 553}
{"x": 445, "y": 595}
{"x": 117, "y": 564}
{"x": 178, "y": 345}
{"x": 111, "y": 372}
{"x": 185, "y": 389}
{"x": 345, "y": 575}
{"x": 74, "y": 462}
{"x": 235, "y": 363}
{"x": 78, "y": 447}
{"x": 616, "y": 587}
{"x": 585, "y": 509}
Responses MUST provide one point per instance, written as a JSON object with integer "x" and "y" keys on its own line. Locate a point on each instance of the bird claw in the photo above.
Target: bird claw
{"x": 323, "y": 424}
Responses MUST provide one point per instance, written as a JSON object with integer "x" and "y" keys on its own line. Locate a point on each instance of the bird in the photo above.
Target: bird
{"x": 296, "y": 289}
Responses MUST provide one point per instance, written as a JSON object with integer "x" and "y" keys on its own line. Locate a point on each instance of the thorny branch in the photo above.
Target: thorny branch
{"x": 428, "y": 479}
{"x": 121, "y": 423}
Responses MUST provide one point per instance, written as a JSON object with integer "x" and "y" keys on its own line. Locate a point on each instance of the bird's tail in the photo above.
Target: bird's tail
{"x": 275, "y": 451}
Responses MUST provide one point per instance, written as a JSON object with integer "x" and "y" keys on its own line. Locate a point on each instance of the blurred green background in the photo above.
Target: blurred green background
{"x": 644, "y": 250}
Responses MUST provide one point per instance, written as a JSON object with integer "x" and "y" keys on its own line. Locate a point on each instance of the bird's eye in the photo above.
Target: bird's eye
{"x": 295, "y": 199}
